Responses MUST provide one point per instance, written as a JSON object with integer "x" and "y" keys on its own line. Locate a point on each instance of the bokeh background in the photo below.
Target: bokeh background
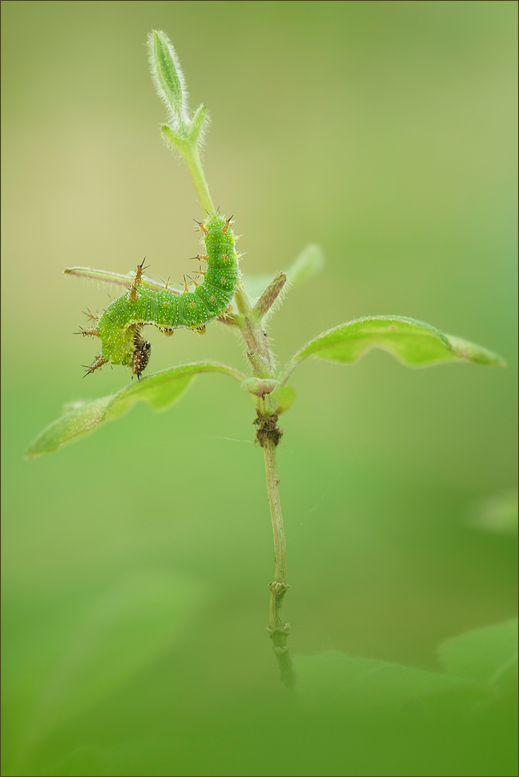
{"x": 136, "y": 562}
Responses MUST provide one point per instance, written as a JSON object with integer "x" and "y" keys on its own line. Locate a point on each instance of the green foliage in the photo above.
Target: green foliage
{"x": 482, "y": 661}
{"x": 497, "y": 513}
{"x": 401, "y": 720}
{"x": 414, "y": 343}
{"x": 185, "y": 131}
{"x": 306, "y": 266}
{"x": 160, "y": 391}
{"x": 487, "y": 655}
{"x": 117, "y": 279}
{"x": 349, "y": 715}
{"x": 129, "y": 678}
{"x": 285, "y": 399}
{"x": 355, "y": 682}
{"x": 169, "y": 79}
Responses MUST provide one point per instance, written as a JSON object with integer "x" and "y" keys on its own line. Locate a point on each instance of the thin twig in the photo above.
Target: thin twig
{"x": 269, "y": 434}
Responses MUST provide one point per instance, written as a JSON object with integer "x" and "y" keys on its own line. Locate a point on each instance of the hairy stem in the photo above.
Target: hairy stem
{"x": 250, "y": 326}
{"x": 269, "y": 435}
{"x": 194, "y": 165}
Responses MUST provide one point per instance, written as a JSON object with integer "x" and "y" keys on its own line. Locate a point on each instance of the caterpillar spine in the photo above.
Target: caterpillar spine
{"x": 120, "y": 326}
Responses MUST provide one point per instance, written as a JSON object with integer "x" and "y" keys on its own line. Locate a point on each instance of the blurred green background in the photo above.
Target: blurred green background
{"x": 136, "y": 562}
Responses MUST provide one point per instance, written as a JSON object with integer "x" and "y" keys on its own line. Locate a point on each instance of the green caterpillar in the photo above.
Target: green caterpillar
{"x": 120, "y": 326}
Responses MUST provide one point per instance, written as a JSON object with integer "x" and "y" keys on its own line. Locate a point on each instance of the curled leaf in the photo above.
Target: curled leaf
{"x": 412, "y": 342}
{"x": 160, "y": 390}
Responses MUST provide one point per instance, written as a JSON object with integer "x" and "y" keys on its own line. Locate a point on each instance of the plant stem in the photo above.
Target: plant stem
{"x": 269, "y": 435}
{"x": 250, "y": 326}
{"x": 194, "y": 165}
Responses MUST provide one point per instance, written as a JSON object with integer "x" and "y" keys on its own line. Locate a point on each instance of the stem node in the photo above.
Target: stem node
{"x": 281, "y": 631}
{"x": 277, "y": 588}
{"x": 267, "y": 429}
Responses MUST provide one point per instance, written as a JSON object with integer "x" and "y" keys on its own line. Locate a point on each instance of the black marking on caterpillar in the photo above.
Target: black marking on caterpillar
{"x": 120, "y": 326}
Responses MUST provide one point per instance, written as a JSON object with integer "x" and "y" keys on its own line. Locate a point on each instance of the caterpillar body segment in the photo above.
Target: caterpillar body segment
{"x": 120, "y": 326}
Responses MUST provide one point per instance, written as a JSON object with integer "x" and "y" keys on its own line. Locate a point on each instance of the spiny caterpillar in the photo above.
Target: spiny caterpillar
{"x": 120, "y": 326}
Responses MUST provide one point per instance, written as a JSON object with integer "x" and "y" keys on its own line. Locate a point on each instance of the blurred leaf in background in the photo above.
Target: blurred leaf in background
{"x": 496, "y": 513}
{"x": 136, "y": 562}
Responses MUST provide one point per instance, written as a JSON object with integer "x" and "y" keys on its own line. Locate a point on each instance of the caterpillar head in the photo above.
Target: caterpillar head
{"x": 141, "y": 354}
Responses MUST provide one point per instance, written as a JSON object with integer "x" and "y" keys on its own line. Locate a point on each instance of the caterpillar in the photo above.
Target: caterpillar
{"x": 120, "y": 326}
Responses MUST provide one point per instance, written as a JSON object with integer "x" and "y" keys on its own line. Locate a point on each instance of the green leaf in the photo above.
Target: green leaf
{"x": 285, "y": 399}
{"x": 160, "y": 390}
{"x": 169, "y": 79}
{"x": 497, "y": 513}
{"x": 199, "y": 124}
{"x": 270, "y": 296}
{"x": 174, "y": 139}
{"x": 488, "y": 655}
{"x": 259, "y": 387}
{"x": 308, "y": 264}
{"x": 117, "y": 279}
{"x": 412, "y": 342}
{"x": 352, "y": 681}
